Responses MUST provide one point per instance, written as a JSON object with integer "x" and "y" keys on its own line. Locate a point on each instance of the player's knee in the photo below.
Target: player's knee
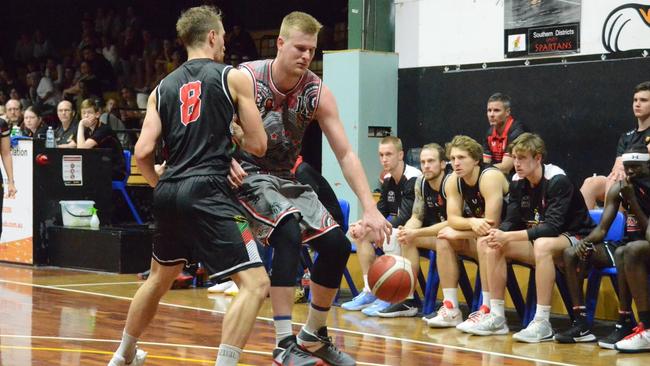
{"x": 633, "y": 252}
{"x": 570, "y": 255}
{"x": 286, "y": 241}
{"x": 333, "y": 252}
{"x": 620, "y": 254}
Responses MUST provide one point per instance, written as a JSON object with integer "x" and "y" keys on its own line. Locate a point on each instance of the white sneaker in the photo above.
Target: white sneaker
{"x": 491, "y": 324}
{"x": 639, "y": 341}
{"x": 232, "y": 290}
{"x": 138, "y": 360}
{"x": 474, "y": 318}
{"x": 221, "y": 287}
{"x": 539, "y": 330}
{"x": 447, "y": 316}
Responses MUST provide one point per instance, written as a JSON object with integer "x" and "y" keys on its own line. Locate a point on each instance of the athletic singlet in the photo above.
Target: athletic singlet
{"x": 196, "y": 109}
{"x": 285, "y": 115}
{"x": 474, "y": 203}
{"x": 641, "y": 192}
{"x": 435, "y": 202}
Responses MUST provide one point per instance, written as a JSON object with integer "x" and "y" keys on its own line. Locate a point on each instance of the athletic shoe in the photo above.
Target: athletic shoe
{"x": 491, "y": 324}
{"x": 321, "y": 346}
{"x": 539, "y": 330}
{"x": 232, "y": 290}
{"x": 406, "y": 308}
{"x": 621, "y": 331}
{"x": 447, "y": 316}
{"x": 289, "y": 353}
{"x": 429, "y": 316}
{"x": 138, "y": 360}
{"x": 578, "y": 333}
{"x": 220, "y": 287}
{"x": 361, "y": 301}
{"x": 182, "y": 281}
{"x": 473, "y": 319}
{"x": 375, "y": 307}
{"x": 639, "y": 341}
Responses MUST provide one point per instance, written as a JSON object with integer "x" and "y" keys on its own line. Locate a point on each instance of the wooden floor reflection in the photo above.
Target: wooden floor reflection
{"x": 52, "y": 316}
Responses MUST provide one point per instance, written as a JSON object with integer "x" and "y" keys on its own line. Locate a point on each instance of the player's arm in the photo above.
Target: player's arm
{"x": 254, "y": 136}
{"x": 82, "y": 141}
{"x": 511, "y": 228}
{"x": 417, "y": 213}
{"x": 612, "y": 203}
{"x": 491, "y": 187}
{"x": 627, "y": 193}
{"x": 330, "y": 123}
{"x": 7, "y": 162}
{"x": 455, "y": 205}
{"x": 146, "y": 145}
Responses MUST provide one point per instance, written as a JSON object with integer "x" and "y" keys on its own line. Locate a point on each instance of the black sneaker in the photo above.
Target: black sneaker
{"x": 578, "y": 333}
{"x": 406, "y": 308}
{"x": 622, "y": 330}
{"x": 288, "y": 353}
{"x": 321, "y": 346}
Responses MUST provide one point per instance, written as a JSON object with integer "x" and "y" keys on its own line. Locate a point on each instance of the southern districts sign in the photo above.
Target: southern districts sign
{"x": 541, "y": 41}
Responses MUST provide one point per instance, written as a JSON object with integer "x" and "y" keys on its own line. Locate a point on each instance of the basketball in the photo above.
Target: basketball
{"x": 391, "y": 278}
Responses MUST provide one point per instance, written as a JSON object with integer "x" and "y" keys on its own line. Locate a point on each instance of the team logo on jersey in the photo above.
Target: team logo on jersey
{"x": 390, "y": 196}
{"x": 308, "y": 100}
{"x": 525, "y": 201}
{"x": 268, "y": 104}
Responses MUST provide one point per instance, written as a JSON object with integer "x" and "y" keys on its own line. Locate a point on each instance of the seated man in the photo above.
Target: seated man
{"x": 428, "y": 218}
{"x": 504, "y": 129}
{"x": 66, "y": 133}
{"x": 475, "y": 193}
{"x": 93, "y": 134}
{"x": 594, "y": 188}
{"x": 396, "y": 202}
{"x": 545, "y": 215}
{"x": 591, "y": 251}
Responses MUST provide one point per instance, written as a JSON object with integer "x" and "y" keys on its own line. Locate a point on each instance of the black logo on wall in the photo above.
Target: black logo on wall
{"x": 626, "y": 28}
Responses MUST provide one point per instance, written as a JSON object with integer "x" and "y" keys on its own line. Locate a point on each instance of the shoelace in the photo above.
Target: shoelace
{"x": 329, "y": 344}
{"x": 476, "y": 316}
{"x": 637, "y": 331}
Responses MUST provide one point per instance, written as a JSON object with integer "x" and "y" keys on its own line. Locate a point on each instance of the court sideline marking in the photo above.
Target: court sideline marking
{"x": 408, "y": 340}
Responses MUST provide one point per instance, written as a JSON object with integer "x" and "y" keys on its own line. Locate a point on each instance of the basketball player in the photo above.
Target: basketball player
{"x": 198, "y": 218}
{"x": 429, "y": 215}
{"x": 395, "y": 202}
{"x": 545, "y": 215}
{"x": 286, "y": 213}
{"x": 475, "y": 194}
{"x": 7, "y": 163}
{"x": 631, "y": 194}
{"x": 594, "y": 188}
{"x": 504, "y": 129}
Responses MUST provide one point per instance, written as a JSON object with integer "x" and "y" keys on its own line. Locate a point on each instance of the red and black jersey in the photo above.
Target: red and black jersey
{"x": 435, "y": 202}
{"x": 196, "y": 109}
{"x": 642, "y": 194}
{"x": 474, "y": 203}
{"x": 496, "y": 144}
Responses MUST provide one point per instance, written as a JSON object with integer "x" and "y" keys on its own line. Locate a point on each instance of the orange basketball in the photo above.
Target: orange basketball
{"x": 391, "y": 278}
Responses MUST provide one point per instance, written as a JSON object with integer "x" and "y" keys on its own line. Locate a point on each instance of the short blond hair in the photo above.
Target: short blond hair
{"x": 468, "y": 144}
{"x": 396, "y": 141}
{"x": 435, "y": 147}
{"x": 90, "y": 103}
{"x": 195, "y": 23}
{"x": 299, "y": 21}
{"x": 529, "y": 143}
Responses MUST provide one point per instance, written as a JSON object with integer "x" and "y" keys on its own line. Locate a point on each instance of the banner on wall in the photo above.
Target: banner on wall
{"x": 16, "y": 242}
{"x": 541, "y": 27}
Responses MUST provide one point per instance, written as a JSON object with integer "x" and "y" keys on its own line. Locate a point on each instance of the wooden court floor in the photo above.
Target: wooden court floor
{"x": 52, "y": 316}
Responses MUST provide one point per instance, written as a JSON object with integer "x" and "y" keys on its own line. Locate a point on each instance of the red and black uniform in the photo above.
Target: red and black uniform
{"x": 198, "y": 216}
{"x": 473, "y": 201}
{"x": 496, "y": 144}
{"x": 551, "y": 208}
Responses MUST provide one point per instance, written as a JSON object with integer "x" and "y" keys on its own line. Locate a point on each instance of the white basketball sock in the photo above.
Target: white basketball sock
{"x": 486, "y": 298}
{"x": 366, "y": 287}
{"x": 451, "y": 295}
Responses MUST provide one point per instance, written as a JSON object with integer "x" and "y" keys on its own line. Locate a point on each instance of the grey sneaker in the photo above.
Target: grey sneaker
{"x": 491, "y": 324}
{"x": 321, "y": 346}
{"x": 539, "y": 330}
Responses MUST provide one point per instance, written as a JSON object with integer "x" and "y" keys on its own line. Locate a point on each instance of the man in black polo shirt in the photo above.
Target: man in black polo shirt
{"x": 504, "y": 129}
{"x": 396, "y": 202}
{"x": 66, "y": 134}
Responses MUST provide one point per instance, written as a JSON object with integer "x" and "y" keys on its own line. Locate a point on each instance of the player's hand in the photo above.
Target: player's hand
{"x": 405, "y": 236}
{"x": 376, "y": 225}
{"x": 237, "y": 131}
{"x": 616, "y": 175}
{"x": 627, "y": 190}
{"x": 481, "y": 226}
{"x": 584, "y": 249}
{"x": 160, "y": 168}
{"x": 448, "y": 233}
{"x": 355, "y": 230}
{"x": 496, "y": 238}
{"x": 11, "y": 190}
{"x": 236, "y": 174}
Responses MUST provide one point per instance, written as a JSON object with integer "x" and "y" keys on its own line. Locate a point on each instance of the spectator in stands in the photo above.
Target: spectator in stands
{"x": 15, "y": 94}
{"x": 109, "y": 51}
{"x": 14, "y": 112}
{"x": 110, "y": 117}
{"x": 33, "y": 125}
{"x": 42, "y": 46}
{"x": 241, "y": 43}
{"x": 87, "y": 76}
{"x": 631, "y": 194}
{"x": 504, "y": 129}
{"x": 54, "y": 71}
{"x": 7, "y": 81}
{"x": 65, "y": 135}
{"x": 396, "y": 202}
{"x": 545, "y": 215}
{"x": 593, "y": 189}
{"x": 130, "y": 114}
{"x": 101, "y": 68}
{"x": 93, "y": 134}
{"x": 48, "y": 95}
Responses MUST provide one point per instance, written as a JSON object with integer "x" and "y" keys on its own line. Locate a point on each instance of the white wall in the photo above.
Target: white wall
{"x": 452, "y": 32}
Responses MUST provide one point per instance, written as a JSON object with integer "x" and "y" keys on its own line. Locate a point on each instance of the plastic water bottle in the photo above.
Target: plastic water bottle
{"x": 15, "y": 131}
{"x": 200, "y": 276}
{"x": 94, "y": 221}
{"x": 49, "y": 138}
{"x": 305, "y": 282}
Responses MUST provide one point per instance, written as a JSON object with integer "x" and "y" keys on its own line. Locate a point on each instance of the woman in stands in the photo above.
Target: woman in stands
{"x": 33, "y": 125}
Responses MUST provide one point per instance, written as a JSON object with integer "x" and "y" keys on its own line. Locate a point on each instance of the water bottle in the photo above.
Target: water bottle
{"x": 94, "y": 220}
{"x": 200, "y": 276}
{"x": 15, "y": 131}
{"x": 49, "y": 138}
{"x": 305, "y": 282}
